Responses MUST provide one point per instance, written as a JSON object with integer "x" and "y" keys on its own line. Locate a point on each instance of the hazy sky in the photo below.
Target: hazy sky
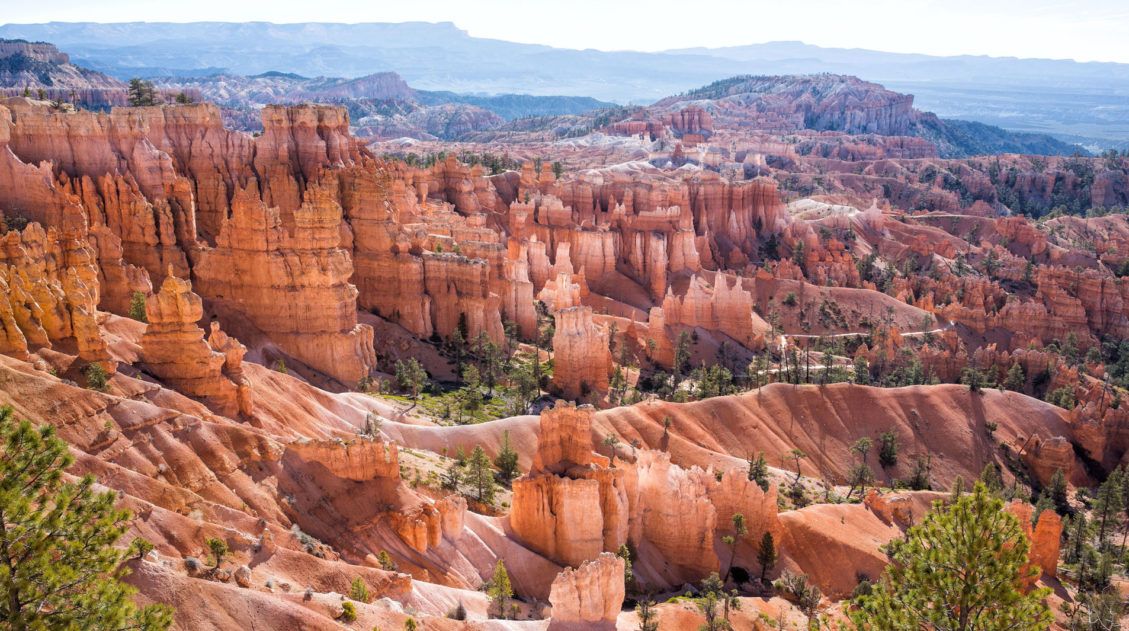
{"x": 1085, "y": 30}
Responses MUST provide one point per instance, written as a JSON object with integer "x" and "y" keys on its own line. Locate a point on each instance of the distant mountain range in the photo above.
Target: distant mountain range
{"x": 383, "y": 105}
{"x": 380, "y": 105}
{"x": 1079, "y": 102}
{"x": 843, "y": 103}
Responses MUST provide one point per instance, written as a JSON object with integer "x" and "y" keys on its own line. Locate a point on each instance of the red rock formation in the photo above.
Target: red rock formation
{"x": 49, "y": 293}
{"x": 259, "y": 267}
{"x": 582, "y": 360}
{"x": 144, "y": 175}
{"x": 565, "y": 440}
{"x": 1045, "y": 538}
{"x": 360, "y": 460}
{"x": 1046, "y": 456}
{"x": 173, "y": 349}
{"x": 571, "y": 506}
{"x": 690, "y": 120}
{"x": 676, "y": 519}
{"x": 724, "y": 308}
{"x": 590, "y": 596}
{"x": 233, "y": 353}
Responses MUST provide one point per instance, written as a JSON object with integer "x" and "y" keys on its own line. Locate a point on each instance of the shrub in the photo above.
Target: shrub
{"x": 218, "y": 548}
{"x": 140, "y": 547}
{"x": 458, "y": 613}
{"x": 386, "y": 562}
{"x": 358, "y": 591}
{"x": 348, "y": 612}
{"x": 1062, "y": 397}
{"x": 888, "y": 449}
{"x": 96, "y": 377}
{"x": 137, "y": 307}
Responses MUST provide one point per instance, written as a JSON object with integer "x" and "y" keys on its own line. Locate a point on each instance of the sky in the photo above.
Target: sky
{"x": 1083, "y": 30}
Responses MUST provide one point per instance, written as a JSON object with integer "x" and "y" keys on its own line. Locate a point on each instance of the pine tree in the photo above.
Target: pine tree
{"x": 1125, "y": 508}
{"x": 137, "y": 307}
{"x": 358, "y": 590}
{"x": 628, "y": 575}
{"x": 959, "y": 569}
{"x": 957, "y": 489}
{"x": 681, "y": 356}
{"x": 96, "y": 377}
{"x": 647, "y": 617}
{"x": 218, "y": 548}
{"x": 1107, "y": 507}
{"x": 471, "y": 394}
{"x": 507, "y": 459}
{"x": 990, "y": 478}
{"x": 411, "y": 377}
{"x": 860, "y": 475}
{"x": 766, "y": 554}
{"x": 1015, "y": 379}
{"x": 862, "y": 371}
{"x": 348, "y": 612}
{"x": 1057, "y": 493}
{"x": 1076, "y": 530}
{"x": 888, "y": 449}
{"x": 796, "y": 490}
{"x": 60, "y": 566}
{"x": 141, "y": 93}
{"x": 739, "y": 530}
{"x": 499, "y": 589}
{"x": 806, "y": 596}
{"x": 919, "y": 479}
{"x": 480, "y": 476}
{"x": 611, "y": 442}
{"x": 712, "y": 595}
{"x": 453, "y": 476}
{"x": 758, "y": 471}
{"x": 386, "y": 562}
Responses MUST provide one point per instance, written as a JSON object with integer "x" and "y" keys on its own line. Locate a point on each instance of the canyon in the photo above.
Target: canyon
{"x": 223, "y": 325}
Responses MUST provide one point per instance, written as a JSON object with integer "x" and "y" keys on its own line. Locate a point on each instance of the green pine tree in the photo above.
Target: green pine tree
{"x": 506, "y": 460}
{"x": 358, "y": 590}
{"x": 990, "y": 478}
{"x": 648, "y": 619}
{"x": 480, "y": 476}
{"x": 628, "y": 575}
{"x": 59, "y": 568}
{"x": 740, "y": 529}
{"x": 499, "y": 589}
{"x": 218, "y": 547}
{"x": 411, "y": 377}
{"x": 766, "y": 554}
{"x": 137, "y": 307}
{"x": 1015, "y": 379}
{"x": 712, "y": 596}
{"x": 1107, "y": 507}
{"x": 1056, "y": 491}
{"x": 959, "y": 569}
{"x": 888, "y": 449}
{"x": 758, "y": 471}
